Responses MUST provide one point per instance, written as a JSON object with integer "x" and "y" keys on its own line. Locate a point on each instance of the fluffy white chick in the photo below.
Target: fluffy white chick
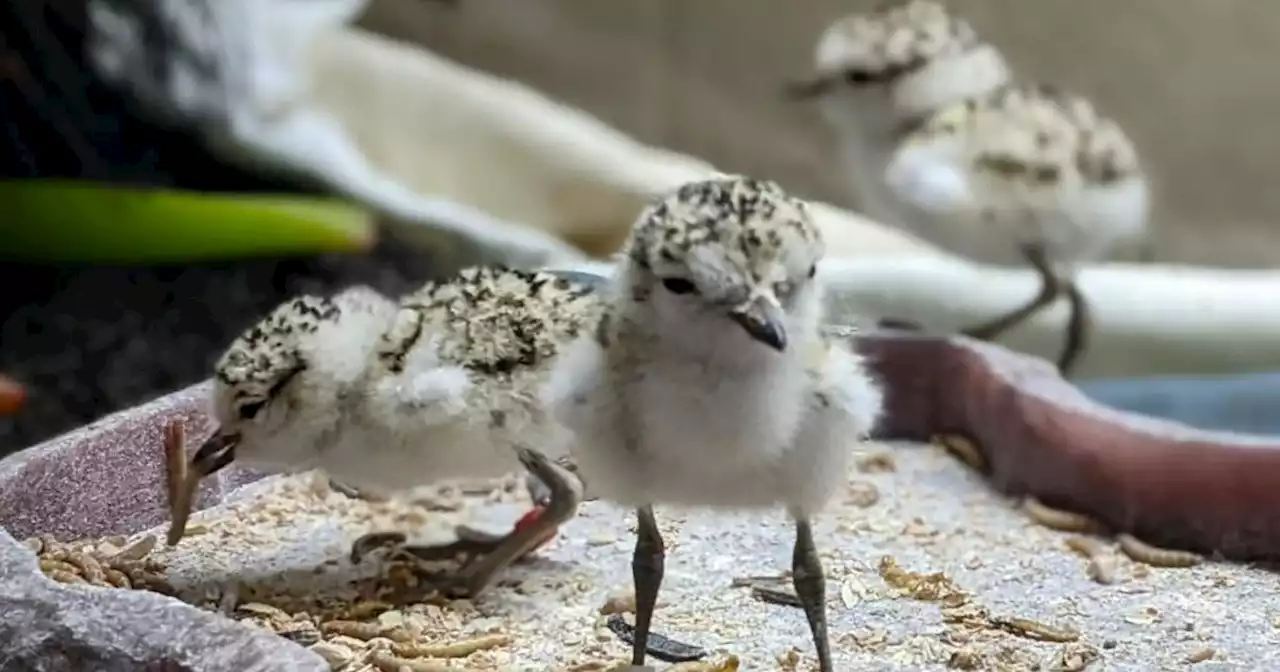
{"x": 385, "y": 396}
{"x": 706, "y": 380}
{"x": 1025, "y": 175}
{"x": 938, "y": 139}
{"x": 879, "y": 72}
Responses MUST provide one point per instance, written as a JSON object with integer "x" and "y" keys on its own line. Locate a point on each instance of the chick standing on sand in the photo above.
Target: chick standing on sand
{"x": 938, "y": 139}
{"x": 386, "y": 396}
{"x": 706, "y": 381}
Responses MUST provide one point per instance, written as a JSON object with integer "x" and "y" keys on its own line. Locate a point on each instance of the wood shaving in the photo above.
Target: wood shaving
{"x": 1101, "y": 568}
{"x": 862, "y": 494}
{"x": 1073, "y": 657}
{"x": 727, "y": 664}
{"x": 934, "y": 587}
{"x": 622, "y": 603}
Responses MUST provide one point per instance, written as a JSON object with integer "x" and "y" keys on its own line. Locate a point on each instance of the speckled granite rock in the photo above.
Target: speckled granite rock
{"x": 115, "y": 466}
{"x": 51, "y": 627}
{"x": 105, "y": 479}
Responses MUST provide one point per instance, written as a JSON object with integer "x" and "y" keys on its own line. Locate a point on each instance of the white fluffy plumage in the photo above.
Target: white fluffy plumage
{"x": 386, "y": 395}
{"x": 880, "y": 72}
{"x": 707, "y": 380}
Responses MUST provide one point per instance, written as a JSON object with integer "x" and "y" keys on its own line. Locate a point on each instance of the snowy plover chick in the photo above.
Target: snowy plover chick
{"x": 1025, "y": 175}
{"x": 879, "y": 72}
{"x": 386, "y": 396}
{"x": 706, "y": 381}
{"x": 940, "y": 141}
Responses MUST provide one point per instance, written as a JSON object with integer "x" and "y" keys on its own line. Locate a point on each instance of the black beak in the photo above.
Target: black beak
{"x": 215, "y": 453}
{"x": 807, "y": 89}
{"x": 763, "y": 321}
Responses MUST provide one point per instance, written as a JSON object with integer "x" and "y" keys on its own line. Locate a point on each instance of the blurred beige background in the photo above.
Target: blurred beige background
{"x": 1194, "y": 82}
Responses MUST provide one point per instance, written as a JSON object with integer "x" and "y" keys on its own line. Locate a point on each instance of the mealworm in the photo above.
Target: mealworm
{"x": 1024, "y": 627}
{"x": 367, "y": 609}
{"x": 65, "y": 577}
{"x": 1155, "y": 556}
{"x": 1202, "y": 655}
{"x": 460, "y": 649}
{"x": 48, "y": 565}
{"x": 1059, "y": 519}
{"x": 88, "y": 567}
{"x": 136, "y": 551}
{"x": 389, "y": 662}
{"x": 366, "y": 631}
{"x": 962, "y": 449}
{"x": 118, "y": 579}
{"x": 361, "y": 631}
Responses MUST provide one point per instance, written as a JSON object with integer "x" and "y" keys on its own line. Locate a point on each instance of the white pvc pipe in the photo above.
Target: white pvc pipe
{"x": 1147, "y": 319}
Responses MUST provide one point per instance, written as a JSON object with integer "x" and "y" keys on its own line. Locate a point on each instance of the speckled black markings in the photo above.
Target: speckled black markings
{"x": 1100, "y": 153}
{"x": 824, "y": 399}
{"x": 396, "y": 343}
{"x": 497, "y": 321}
{"x": 604, "y": 329}
{"x": 892, "y": 58}
{"x": 712, "y": 211}
{"x": 262, "y": 360}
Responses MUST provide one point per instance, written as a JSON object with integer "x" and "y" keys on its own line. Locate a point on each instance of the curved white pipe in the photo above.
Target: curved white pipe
{"x": 1147, "y": 319}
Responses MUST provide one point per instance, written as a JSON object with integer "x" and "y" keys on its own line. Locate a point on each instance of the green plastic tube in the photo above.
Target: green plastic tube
{"x": 87, "y": 222}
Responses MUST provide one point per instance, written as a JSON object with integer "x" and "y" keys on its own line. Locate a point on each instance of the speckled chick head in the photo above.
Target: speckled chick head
{"x": 1024, "y": 152}
{"x": 912, "y": 56}
{"x": 278, "y": 384}
{"x": 724, "y": 250}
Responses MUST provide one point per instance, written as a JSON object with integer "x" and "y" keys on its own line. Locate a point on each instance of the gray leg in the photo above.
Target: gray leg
{"x": 811, "y": 588}
{"x": 1050, "y": 288}
{"x": 1078, "y": 325}
{"x": 647, "y": 564}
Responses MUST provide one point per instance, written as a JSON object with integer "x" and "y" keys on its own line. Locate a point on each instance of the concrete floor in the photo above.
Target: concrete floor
{"x": 909, "y": 511}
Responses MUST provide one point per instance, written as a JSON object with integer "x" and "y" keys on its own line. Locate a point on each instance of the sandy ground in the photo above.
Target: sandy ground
{"x": 909, "y": 510}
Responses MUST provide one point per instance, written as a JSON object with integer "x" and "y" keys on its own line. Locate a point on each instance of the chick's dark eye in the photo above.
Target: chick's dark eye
{"x": 251, "y": 409}
{"x": 857, "y": 77}
{"x": 813, "y": 270}
{"x": 678, "y": 285}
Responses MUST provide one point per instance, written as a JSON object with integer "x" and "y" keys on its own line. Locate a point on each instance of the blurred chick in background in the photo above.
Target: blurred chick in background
{"x": 937, "y": 138}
